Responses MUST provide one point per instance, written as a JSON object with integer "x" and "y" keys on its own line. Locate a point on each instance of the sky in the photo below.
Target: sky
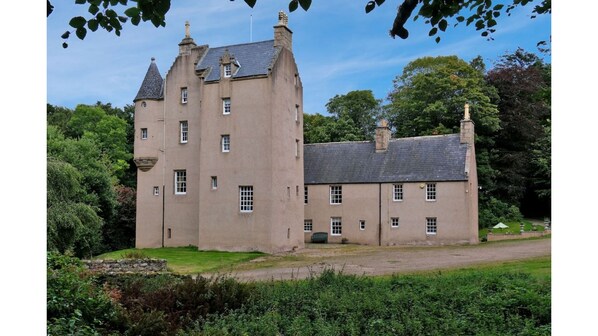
{"x": 337, "y": 46}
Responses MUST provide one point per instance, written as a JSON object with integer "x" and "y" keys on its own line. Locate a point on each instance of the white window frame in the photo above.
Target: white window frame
{"x": 225, "y": 143}
{"x": 180, "y": 182}
{"x": 431, "y": 192}
{"x": 228, "y": 70}
{"x": 397, "y": 192}
{"x": 156, "y": 191}
{"x": 184, "y": 131}
{"x": 144, "y": 134}
{"x": 184, "y": 95}
{"x": 305, "y": 195}
{"x": 246, "y": 199}
{"x": 214, "y": 182}
{"x": 361, "y": 224}
{"x": 336, "y": 226}
{"x": 226, "y": 106}
{"x": 308, "y": 225}
{"x": 431, "y": 225}
{"x": 394, "y": 222}
{"x": 336, "y": 194}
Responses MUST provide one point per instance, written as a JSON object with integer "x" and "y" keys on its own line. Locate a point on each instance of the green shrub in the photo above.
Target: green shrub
{"x": 135, "y": 254}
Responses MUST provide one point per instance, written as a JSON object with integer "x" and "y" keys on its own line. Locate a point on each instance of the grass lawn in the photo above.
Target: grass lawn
{"x": 514, "y": 228}
{"x": 188, "y": 260}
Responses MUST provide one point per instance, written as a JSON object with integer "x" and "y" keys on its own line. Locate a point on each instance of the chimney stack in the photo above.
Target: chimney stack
{"x": 187, "y": 43}
{"x": 283, "y": 36}
{"x": 382, "y": 136}
{"x": 467, "y": 127}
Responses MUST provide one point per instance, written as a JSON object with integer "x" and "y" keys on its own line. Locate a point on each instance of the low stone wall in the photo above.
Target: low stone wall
{"x": 126, "y": 266}
{"x": 528, "y": 234}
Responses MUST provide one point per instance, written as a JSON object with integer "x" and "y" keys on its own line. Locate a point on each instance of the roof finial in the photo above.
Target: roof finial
{"x": 187, "y": 33}
{"x": 466, "y": 117}
{"x": 283, "y": 19}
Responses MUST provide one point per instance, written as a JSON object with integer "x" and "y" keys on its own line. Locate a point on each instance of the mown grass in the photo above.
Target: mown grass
{"x": 188, "y": 260}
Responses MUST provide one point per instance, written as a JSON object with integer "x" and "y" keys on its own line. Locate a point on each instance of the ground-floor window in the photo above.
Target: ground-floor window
{"x": 394, "y": 222}
{"x": 336, "y": 226}
{"x": 307, "y": 225}
{"x": 246, "y": 198}
{"x": 431, "y": 225}
{"x": 362, "y": 225}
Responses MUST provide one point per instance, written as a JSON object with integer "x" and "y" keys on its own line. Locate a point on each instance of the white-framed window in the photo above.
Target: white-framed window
{"x": 225, "y": 143}
{"x": 430, "y": 191}
{"x": 228, "y": 70}
{"x": 143, "y": 133}
{"x": 156, "y": 191}
{"x": 297, "y": 148}
{"x": 397, "y": 192}
{"x": 246, "y": 198}
{"x": 336, "y": 194}
{"x": 305, "y": 195}
{"x": 225, "y": 105}
{"x": 184, "y": 94}
{"x": 180, "y": 182}
{"x": 307, "y": 225}
{"x": 214, "y": 182}
{"x": 394, "y": 222}
{"x": 184, "y": 131}
{"x": 431, "y": 225}
{"x": 361, "y": 225}
{"x": 336, "y": 226}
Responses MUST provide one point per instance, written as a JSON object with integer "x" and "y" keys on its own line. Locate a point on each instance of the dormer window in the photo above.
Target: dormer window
{"x": 228, "y": 70}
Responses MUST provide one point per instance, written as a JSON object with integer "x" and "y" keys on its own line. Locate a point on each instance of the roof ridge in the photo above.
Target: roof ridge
{"x": 240, "y": 44}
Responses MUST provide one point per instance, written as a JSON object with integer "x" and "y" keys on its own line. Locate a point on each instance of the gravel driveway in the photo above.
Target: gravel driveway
{"x": 369, "y": 260}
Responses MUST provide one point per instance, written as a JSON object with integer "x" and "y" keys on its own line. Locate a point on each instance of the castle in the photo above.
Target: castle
{"x": 222, "y": 164}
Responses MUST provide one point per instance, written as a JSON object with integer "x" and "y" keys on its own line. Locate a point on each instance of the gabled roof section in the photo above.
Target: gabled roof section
{"x": 151, "y": 88}
{"x": 418, "y": 159}
{"x": 253, "y": 59}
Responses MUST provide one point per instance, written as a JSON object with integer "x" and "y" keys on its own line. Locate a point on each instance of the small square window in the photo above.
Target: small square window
{"x": 225, "y": 143}
{"x": 362, "y": 225}
{"x": 184, "y": 94}
{"x": 308, "y": 225}
{"x": 156, "y": 191}
{"x": 144, "y": 133}
{"x": 394, "y": 222}
{"x": 227, "y": 70}
{"x": 226, "y": 106}
{"x": 214, "y": 182}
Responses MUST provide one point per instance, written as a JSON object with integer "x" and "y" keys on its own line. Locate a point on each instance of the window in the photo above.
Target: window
{"x": 169, "y": 233}
{"x": 307, "y": 225}
{"x": 156, "y": 191}
{"x": 336, "y": 194}
{"x": 227, "y": 70}
{"x": 431, "y": 227}
{"x": 297, "y": 146}
{"x": 225, "y": 142}
{"x": 305, "y": 195}
{"x": 226, "y": 106}
{"x": 362, "y": 225}
{"x": 394, "y": 222}
{"x": 214, "y": 182}
{"x": 184, "y": 93}
{"x": 297, "y": 113}
{"x": 144, "y": 133}
{"x": 180, "y": 182}
{"x": 430, "y": 191}
{"x": 397, "y": 194}
{"x": 246, "y": 198}
{"x": 184, "y": 127}
{"x": 336, "y": 226}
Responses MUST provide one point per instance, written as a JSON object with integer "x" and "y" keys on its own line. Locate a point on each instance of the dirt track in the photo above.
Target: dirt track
{"x": 356, "y": 259}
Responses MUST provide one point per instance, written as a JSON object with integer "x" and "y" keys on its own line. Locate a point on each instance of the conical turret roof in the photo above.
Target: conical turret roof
{"x": 151, "y": 88}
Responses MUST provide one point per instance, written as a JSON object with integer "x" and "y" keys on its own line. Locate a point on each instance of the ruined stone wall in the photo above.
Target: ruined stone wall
{"x": 126, "y": 266}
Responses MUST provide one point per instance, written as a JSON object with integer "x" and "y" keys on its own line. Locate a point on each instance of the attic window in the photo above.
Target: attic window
{"x": 227, "y": 70}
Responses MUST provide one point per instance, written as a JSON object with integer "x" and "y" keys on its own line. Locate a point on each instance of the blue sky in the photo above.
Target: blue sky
{"x": 337, "y": 46}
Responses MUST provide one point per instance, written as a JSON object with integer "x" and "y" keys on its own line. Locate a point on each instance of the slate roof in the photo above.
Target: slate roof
{"x": 151, "y": 87}
{"x": 254, "y": 59}
{"x": 418, "y": 159}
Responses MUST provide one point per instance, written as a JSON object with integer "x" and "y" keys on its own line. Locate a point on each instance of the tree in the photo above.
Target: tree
{"x": 120, "y": 232}
{"x": 523, "y": 84}
{"x": 359, "y": 106}
{"x": 319, "y": 129}
{"x": 437, "y": 13}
